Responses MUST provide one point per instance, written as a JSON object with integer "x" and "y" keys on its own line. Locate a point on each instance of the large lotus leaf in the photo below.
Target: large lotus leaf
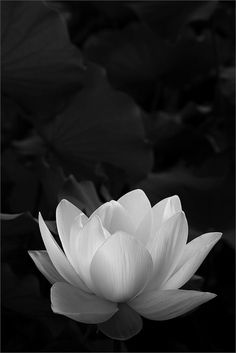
{"x": 167, "y": 18}
{"x": 100, "y": 125}
{"x": 40, "y": 66}
{"x": 138, "y": 61}
{"x": 131, "y": 54}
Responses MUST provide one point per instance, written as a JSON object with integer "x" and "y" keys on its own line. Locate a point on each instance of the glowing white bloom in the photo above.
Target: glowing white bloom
{"x": 127, "y": 259}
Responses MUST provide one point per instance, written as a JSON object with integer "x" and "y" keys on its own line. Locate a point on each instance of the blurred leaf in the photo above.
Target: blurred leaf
{"x": 167, "y": 19}
{"x": 41, "y": 68}
{"x": 114, "y": 10}
{"x": 208, "y": 200}
{"x": 22, "y": 294}
{"x": 179, "y": 136}
{"x": 22, "y": 183}
{"x": 20, "y": 232}
{"x": 139, "y": 62}
{"x": 11, "y": 126}
{"x": 195, "y": 283}
{"x": 32, "y": 145}
{"x": 227, "y": 83}
{"x": 82, "y": 194}
{"x": 100, "y": 125}
{"x": 51, "y": 180}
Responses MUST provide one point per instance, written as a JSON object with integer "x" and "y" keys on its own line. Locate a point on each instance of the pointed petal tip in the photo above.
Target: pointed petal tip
{"x": 213, "y": 237}
{"x": 219, "y": 235}
{"x": 40, "y": 219}
{"x": 176, "y": 197}
{"x": 210, "y": 295}
{"x": 62, "y": 202}
{"x": 30, "y": 252}
{"x": 133, "y": 192}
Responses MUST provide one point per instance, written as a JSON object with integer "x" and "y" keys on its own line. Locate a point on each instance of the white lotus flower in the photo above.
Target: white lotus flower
{"x": 125, "y": 261}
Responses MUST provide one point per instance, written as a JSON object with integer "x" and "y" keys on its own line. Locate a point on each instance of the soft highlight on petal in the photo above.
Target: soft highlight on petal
{"x": 120, "y": 268}
{"x": 66, "y": 213}
{"x": 168, "y": 304}
{"x": 125, "y": 324}
{"x": 45, "y": 266}
{"x": 194, "y": 254}
{"x": 83, "y": 245}
{"x": 114, "y": 217}
{"x": 58, "y": 258}
{"x": 165, "y": 209}
{"x": 80, "y": 306}
{"x": 136, "y": 204}
{"x": 166, "y": 248}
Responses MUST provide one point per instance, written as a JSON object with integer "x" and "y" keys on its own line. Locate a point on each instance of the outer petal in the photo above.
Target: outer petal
{"x": 66, "y": 213}
{"x": 58, "y": 258}
{"x": 44, "y": 264}
{"x": 139, "y": 210}
{"x": 125, "y": 324}
{"x": 194, "y": 254}
{"x": 165, "y": 209}
{"x": 167, "y": 304}
{"x": 166, "y": 248}
{"x": 120, "y": 267}
{"x": 83, "y": 245}
{"x": 80, "y": 306}
{"x": 114, "y": 217}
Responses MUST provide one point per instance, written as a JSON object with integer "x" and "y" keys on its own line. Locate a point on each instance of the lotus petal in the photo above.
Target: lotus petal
{"x": 114, "y": 217}
{"x": 58, "y": 258}
{"x": 83, "y": 245}
{"x": 80, "y": 306}
{"x": 45, "y": 266}
{"x": 125, "y": 324}
{"x": 66, "y": 213}
{"x": 167, "y": 247}
{"x": 120, "y": 268}
{"x": 194, "y": 254}
{"x": 168, "y": 304}
{"x": 165, "y": 209}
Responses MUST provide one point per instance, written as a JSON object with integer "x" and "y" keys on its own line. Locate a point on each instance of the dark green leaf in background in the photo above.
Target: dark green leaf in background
{"x": 100, "y": 125}
{"x": 40, "y": 66}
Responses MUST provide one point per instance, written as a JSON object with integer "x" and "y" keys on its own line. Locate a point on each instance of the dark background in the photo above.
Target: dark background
{"x": 120, "y": 95}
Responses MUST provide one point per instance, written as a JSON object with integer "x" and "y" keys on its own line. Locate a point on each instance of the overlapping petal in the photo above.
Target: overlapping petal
{"x": 58, "y": 258}
{"x": 66, "y": 213}
{"x": 139, "y": 210}
{"x": 45, "y": 266}
{"x": 114, "y": 217}
{"x": 168, "y": 304}
{"x": 83, "y": 245}
{"x": 167, "y": 247}
{"x": 80, "y": 306}
{"x": 120, "y": 267}
{"x": 125, "y": 324}
{"x": 194, "y": 254}
{"x": 165, "y": 209}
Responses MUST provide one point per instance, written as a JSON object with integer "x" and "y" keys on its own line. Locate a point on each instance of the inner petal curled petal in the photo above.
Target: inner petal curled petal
{"x": 120, "y": 268}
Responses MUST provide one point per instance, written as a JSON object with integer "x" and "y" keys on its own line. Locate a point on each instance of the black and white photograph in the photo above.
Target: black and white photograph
{"x": 117, "y": 176}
